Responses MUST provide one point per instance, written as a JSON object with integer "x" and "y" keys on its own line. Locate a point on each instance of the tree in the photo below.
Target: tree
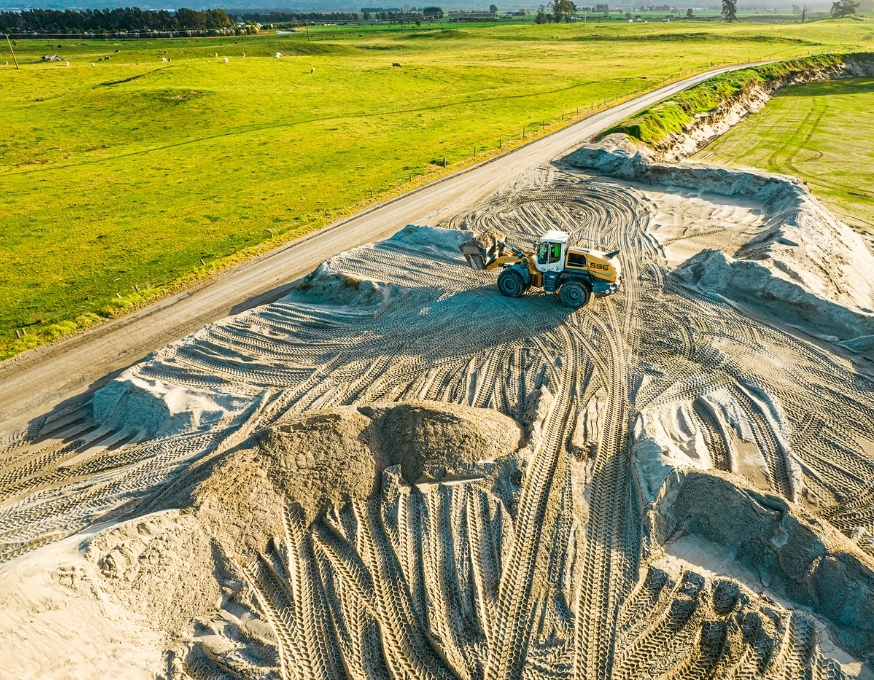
{"x": 690, "y": 14}
{"x": 729, "y": 10}
{"x": 542, "y": 17}
{"x": 804, "y": 14}
{"x": 432, "y": 12}
{"x": 493, "y": 9}
{"x": 562, "y": 9}
{"x": 843, "y": 8}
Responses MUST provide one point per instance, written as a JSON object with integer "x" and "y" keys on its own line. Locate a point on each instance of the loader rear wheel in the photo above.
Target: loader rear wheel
{"x": 574, "y": 294}
{"x": 511, "y": 284}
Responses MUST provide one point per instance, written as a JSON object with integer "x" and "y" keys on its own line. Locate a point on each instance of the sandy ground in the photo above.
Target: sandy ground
{"x": 663, "y": 484}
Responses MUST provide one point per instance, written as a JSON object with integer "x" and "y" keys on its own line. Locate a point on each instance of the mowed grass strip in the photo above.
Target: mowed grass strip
{"x": 127, "y": 179}
{"x": 820, "y": 132}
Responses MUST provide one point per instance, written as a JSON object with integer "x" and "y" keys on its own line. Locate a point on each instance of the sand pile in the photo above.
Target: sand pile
{"x": 157, "y": 408}
{"x": 323, "y": 459}
{"x": 327, "y": 286}
{"x": 190, "y": 578}
{"x": 803, "y": 267}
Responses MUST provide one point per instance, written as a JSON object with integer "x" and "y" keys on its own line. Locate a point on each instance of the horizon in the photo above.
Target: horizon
{"x": 327, "y": 6}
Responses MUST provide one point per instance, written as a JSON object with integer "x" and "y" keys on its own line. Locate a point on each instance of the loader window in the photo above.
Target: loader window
{"x": 555, "y": 252}
{"x": 548, "y": 253}
{"x": 577, "y": 260}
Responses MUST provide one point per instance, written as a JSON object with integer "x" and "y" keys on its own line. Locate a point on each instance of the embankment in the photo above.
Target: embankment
{"x": 686, "y": 123}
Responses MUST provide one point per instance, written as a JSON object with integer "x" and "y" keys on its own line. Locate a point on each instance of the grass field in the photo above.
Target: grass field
{"x": 132, "y": 177}
{"x": 820, "y": 132}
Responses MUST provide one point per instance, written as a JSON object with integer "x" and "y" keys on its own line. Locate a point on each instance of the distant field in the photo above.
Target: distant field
{"x": 123, "y": 180}
{"x": 820, "y": 132}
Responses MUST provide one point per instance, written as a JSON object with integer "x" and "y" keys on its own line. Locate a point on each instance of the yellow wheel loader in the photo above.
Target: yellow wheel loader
{"x": 572, "y": 273}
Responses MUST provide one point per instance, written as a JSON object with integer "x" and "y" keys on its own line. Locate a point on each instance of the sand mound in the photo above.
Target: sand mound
{"x": 325, "y": 458}
{"x": 795, "y": 555}
{"x": 789, "y": 299}
{"x": 803, "y": 267}
{"x": 434, "y": 439}
{"x": 159, "y": 409}
{"x": 431, "y": 238}
{"x": 327, "y": 286}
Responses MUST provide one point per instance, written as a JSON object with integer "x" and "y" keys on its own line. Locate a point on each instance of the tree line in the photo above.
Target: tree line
{"x": 293, "y": 17}
{"x": 120, "y": 19}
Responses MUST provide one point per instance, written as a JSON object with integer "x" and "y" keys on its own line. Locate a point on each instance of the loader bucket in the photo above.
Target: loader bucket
{"x": 484, "y": 249}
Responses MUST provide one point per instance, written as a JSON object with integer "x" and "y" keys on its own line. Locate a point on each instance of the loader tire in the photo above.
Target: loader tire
{"x": 574, "y": 294}
{"x": 511, "y": 284}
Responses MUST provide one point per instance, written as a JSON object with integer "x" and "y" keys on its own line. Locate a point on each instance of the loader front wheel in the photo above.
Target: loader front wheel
{"x": 510, "y": 283}
{"x": 574, "y": 294}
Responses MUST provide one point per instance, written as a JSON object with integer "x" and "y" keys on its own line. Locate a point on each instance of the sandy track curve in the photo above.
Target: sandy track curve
{"x": 41, "y": 379}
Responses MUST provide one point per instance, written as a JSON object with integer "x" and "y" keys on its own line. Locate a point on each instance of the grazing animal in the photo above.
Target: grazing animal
{"x": 67, "y": 63}
{"x": 279, "y": 55}
{"x": 92, "y": 63}
{"x": 312, "y": 70}
{"x": 396, "y": 65}
{"x": 244, "y": 55}
{"x": 226, "y": 60}
{"x": 164, "y": 59}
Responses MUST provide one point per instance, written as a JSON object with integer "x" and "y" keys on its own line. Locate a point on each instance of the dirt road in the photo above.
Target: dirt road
{"x": 42, "y": 379}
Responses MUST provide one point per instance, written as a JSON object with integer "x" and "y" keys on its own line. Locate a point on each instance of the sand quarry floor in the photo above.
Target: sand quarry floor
{"x": 397, "y": 472}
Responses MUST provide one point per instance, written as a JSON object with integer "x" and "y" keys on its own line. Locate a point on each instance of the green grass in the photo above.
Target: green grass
{"x": 820, "y": 132}
{"x": 134, "y": 177}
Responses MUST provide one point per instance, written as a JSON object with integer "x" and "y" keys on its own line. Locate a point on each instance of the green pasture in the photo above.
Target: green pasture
{"x": 127, "y": 179}
{"x": 820, "y": 132}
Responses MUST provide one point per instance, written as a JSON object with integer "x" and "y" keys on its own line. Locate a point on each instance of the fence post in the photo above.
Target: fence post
{"x": 14, "y": 58}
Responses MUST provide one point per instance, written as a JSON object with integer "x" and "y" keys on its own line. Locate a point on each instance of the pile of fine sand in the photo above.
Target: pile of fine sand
{"x": 322, "y": 459}
{"x": 160, "y": 409}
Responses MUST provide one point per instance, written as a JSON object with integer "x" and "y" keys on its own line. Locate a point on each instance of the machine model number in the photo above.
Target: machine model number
{"x": 598, "y": 265}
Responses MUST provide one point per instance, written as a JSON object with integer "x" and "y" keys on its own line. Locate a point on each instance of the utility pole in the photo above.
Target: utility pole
{"x": 13, "y": 52}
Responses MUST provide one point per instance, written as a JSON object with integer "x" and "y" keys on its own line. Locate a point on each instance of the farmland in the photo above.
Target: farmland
{"x": 135, "y": 176}
{"x": 819, "y": 132}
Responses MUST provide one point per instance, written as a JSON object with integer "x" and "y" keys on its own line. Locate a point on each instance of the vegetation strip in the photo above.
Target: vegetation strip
{"x": 673, "y": 116}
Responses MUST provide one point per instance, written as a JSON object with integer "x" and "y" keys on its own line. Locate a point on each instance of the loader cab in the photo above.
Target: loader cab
{"x": 551, "y": 251}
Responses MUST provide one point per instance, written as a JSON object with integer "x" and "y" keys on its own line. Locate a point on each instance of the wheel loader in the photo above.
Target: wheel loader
{"x": 572, "y": 273}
